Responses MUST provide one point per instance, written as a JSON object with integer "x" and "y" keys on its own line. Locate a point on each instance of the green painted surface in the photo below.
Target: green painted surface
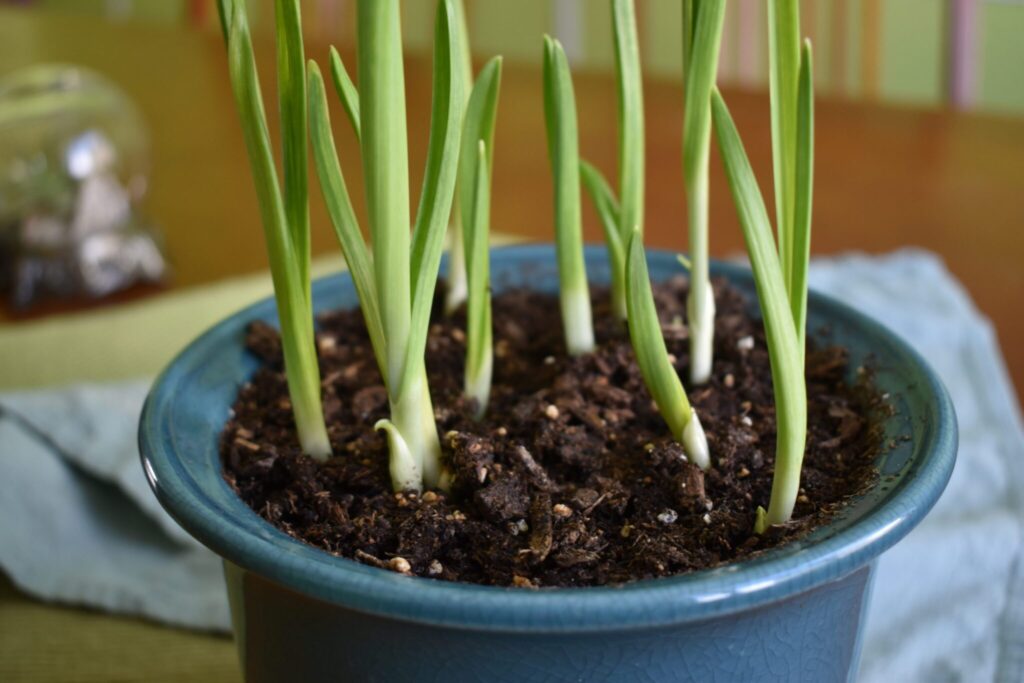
{"x": 418, "y": 26}
{"x": 821, "y": 42}
{"x": 661, "y": 42}
{"x": 512, "y": 29}
{"x": 1002, "y": 59}
{"x": 855, "y": 25}
{"x": 147, "y": 10}
{"x": 598, "y": 42}
{"x": 913, "y": 45}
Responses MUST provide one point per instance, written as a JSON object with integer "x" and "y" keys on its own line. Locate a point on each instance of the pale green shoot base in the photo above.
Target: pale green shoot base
{"x": 761, "y": 521}
{"x": 478, "y": 385}
{"x": 700, "y": 305}
{"x": 576, "y": 320}
{"x": 405, "y": 471}
{"x": 695, "y": 442}
{"x": 413, "y": 429}
{"x": 455, "y": 294}
{"x": 313, "y": 437}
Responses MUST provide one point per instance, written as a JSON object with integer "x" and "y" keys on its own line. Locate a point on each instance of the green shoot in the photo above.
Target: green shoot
{"x": 801, "y": 249}
{"x": 346, "y": 90}
{"x": 703, "y": 28}
{"x": 456, "y": 292}
{"x": 343, "y": 216}
{"x": 619, "y": 217}
{"x": 291, "y": 83}
{"x": 631, "y": 130}
{"x": 607, "y": 207}
{"x": 285, "y": 216}
{"x": 563, "y": 153}
{"x": 475, "y": 161}
{"x": 396, "y": 288}
{"x": 386, "y": 169}
{"x": 479, "y": 348}
{"x": 784, "y": 347}
{"x": 660, "y": 377}
{"x": 783, "y": 70}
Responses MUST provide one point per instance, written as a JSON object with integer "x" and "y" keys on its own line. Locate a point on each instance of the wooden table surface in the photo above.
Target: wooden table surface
{"x": 887, "y": 177}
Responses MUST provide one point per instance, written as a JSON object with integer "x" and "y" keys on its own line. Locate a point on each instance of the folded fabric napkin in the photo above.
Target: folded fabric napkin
{"x": 81, "y": 527}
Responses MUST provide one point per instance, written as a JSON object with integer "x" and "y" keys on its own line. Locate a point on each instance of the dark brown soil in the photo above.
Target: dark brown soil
{"x": 572, "y": 478}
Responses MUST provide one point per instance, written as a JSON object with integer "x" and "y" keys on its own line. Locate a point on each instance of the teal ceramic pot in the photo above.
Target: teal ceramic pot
{"x": 793, "y": 614}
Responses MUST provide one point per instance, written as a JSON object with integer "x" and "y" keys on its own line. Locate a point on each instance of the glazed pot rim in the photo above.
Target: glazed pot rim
{"x": 232, "y": 530}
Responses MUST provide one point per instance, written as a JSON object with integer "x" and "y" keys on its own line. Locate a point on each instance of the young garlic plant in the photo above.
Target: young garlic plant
{"x": 702, "y": 37}
{"x": 782, "y": 294}
{"x": 792, "y": 112}
{"x": 346, "y": 91}
{"x": 563, "y": 153}
{"x": 458, "y": 278}
{"x": 285, "y": 215}
{"x": 620, "y": 217}
{"x": 659, "y": 375}
{"x": 475, "y": 161}
{"x": 396, "y": 287}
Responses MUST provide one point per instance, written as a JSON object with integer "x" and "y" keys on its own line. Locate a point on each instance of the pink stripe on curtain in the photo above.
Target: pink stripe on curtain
{"x": 963, "y": 51}
{"x": 749, "y": 53}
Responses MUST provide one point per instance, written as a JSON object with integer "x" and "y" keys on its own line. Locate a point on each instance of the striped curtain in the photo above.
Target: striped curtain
{"x": 960, "y": 53}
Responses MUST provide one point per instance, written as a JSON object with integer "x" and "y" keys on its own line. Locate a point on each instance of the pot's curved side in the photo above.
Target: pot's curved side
{"x": 813, "y": 636}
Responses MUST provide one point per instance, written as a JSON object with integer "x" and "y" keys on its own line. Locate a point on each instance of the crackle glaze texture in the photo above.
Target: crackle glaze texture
{"x": 792, "y": 614}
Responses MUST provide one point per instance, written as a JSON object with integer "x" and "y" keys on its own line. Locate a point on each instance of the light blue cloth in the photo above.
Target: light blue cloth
{"x": 948, "y": 602}
{"x": 78, "y": 523}
{"x": 80, "y": 526}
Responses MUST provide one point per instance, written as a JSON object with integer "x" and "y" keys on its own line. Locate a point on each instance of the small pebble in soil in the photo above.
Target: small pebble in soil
{"x": 551, "y": 411}
{"x": 429, "y": 497}
{"x": 729, "y": 381}
{"x": 747, "y": 422}
{"x": 668, "y": 516}
{"x": 745, "y": 343}
{"x": 248, "y": 445}
{"x": 400, "y": 565}
{"x": 562, "y": 510}
{"x": 707, "y": 519}
{"x": 435, "y": 568}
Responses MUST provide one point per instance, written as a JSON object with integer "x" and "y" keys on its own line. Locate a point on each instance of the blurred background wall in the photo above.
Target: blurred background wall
{"x": 960, "y": 53}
